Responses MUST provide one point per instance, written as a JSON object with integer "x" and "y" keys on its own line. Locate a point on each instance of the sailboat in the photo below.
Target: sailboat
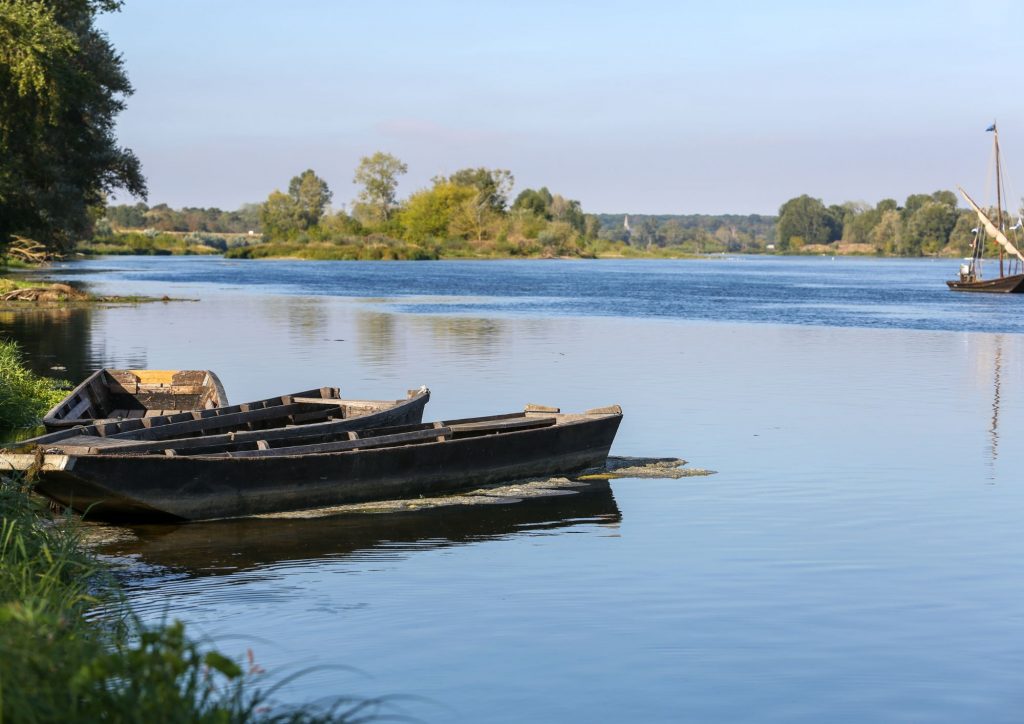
{"x": 1011, "y": 262}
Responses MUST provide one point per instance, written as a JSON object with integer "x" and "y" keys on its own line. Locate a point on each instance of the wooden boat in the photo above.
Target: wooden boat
{"x": 190, "y": 480}
{"x": 109, "y": 394}
{"x": 324, "y": 404}
{"x": 1011, "y": 262}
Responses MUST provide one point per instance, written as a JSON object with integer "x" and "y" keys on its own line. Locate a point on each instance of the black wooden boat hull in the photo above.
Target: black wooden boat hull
{"x": 1013, "y": 284}
{"x": 154, "y": 487}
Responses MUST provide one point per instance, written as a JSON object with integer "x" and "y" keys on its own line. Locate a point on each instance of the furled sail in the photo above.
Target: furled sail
{"x": 991, "y": 228}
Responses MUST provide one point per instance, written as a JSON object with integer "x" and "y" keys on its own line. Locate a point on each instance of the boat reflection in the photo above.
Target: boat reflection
{"x": 226, "y": 547}
{"x": 996, "y": 392}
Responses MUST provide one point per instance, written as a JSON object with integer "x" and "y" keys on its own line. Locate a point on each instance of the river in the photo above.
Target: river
{"x": 856, "y": 557}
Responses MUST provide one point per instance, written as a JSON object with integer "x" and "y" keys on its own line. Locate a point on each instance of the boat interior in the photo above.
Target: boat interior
{"x": 128, "y": 394}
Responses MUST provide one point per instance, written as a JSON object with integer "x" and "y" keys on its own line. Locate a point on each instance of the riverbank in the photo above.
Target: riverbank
{"x": 387, "y": 249}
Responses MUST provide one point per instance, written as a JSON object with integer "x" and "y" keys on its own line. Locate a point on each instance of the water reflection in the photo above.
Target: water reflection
{"x": 377, "y": 341}
{"x": 988, "y": 367}
{"x": 51, "y": 338}
{"x": 225, "y": 547}
{"x": 304, "y": 320}
{"x": 469, "y": 335}
{"x": 996, "y": 380}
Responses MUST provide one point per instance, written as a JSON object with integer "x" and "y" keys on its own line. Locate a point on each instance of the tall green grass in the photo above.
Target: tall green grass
{"x": 24, "y": 397}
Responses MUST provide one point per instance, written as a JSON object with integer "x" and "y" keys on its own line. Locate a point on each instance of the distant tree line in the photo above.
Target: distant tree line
{"x": 163, "y": 218}
{"x": 690, "y": 233}
{"x": 926, "y": 224}
{"x": 472, "y": 212}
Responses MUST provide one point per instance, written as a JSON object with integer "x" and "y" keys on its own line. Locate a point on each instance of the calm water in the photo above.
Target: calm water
{"x": 856, "y": 558}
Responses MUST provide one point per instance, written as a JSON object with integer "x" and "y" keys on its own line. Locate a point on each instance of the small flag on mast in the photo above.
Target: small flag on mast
{"x": 991, "y": 128}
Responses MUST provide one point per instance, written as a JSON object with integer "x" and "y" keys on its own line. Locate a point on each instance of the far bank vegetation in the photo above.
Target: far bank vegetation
{"x": 472, "y": 213}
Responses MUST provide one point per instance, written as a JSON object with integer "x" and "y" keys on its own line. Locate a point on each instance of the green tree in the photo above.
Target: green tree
{"x": 559, "y": 238}
{"x": 429, "y": 213}
{"x": 281, "y": 217}
{"x": 338, "y": 226}
{"x": 647, "y": 233}
{"x": 474, "y": 218}
{"x": 285, "y": 216}
{"x": 961, "y": 238}
{"x": 928, "y": 229}
{"x": 494, "y": 185}
{"x": 858, "y": 221}
{"x": 62, "y": 84}
{"x": 886, "y": 205}
{"x": 311, "y": 196}
{"x": 888, "y": 232}
{"x": 913, "y": 203}
{"x": 537, "y": 202}
{"x": 567, "y": 210}
{"x": 809, "y": 220}
{"x": 378, "y": 175}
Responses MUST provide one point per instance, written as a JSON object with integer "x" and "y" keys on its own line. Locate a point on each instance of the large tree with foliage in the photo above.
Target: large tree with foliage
{"x": 378, "y": 175}
{"x": 493, "y": 185}
{"x": 807, "y": 221}
{"x": 429, "y": 213}
{"x": 311, "y": 195}
{"x": 62, "y": 85}
{"x": 284, "y": 216}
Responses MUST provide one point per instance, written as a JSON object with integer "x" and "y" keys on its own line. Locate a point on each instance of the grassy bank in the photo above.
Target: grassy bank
{"x": 385, "y": 248}
{"x": 140, "y": 243}
{"x": 378, "y": 249}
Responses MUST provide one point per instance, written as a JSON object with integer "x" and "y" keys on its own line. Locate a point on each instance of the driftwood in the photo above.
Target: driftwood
{"x": 50, "y": 293}
{"x": 29, "y": 250}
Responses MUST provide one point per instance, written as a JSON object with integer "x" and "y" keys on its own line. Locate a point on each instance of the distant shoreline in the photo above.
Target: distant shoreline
{"x": 839, "y": 249}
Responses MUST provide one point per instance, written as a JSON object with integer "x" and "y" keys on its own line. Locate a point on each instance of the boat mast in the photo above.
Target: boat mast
{"x": 999, "y": 191}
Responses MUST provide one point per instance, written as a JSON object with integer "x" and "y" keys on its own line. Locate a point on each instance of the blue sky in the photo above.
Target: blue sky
{"x": 641, "y": 107}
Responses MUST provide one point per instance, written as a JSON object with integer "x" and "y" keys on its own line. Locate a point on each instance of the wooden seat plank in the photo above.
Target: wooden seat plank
{"x": 218, "y": 422}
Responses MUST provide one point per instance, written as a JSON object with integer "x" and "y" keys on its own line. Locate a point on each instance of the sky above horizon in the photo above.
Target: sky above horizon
{"x": 638, "y": 107}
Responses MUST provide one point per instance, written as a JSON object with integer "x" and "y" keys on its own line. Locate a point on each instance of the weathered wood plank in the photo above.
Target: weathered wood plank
{"x": 540, "y": 408}
{"x": 494, "y": 426}
{"x": 343, "y": 445}
{"x": 217, "y": 422}
{"x": 81, "y": 408}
